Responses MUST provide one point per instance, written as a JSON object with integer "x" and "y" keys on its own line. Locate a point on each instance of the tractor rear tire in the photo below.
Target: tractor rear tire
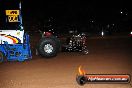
{"x": 48, "y": 46}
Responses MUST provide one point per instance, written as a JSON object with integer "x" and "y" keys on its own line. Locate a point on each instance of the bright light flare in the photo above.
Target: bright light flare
{"x": 81, "y": 72}
{"x": 102, "y": 33}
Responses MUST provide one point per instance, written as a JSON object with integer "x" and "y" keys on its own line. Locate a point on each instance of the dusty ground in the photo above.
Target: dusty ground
{"x": 106, "y": 56}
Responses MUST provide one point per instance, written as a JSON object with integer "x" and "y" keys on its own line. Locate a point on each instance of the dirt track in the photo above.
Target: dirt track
{"x": 105, "y": 56}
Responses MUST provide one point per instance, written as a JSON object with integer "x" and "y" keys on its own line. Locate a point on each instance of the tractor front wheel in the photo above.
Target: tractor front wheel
{"x": 48, "y": 47}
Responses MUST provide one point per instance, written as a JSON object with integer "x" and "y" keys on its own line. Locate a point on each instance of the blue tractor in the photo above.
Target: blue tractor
{"x": 14, "y": 42}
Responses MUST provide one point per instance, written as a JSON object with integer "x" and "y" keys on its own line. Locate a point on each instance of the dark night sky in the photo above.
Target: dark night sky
{"x": 76, "y": 10}
{"x": 73, "y": 11}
